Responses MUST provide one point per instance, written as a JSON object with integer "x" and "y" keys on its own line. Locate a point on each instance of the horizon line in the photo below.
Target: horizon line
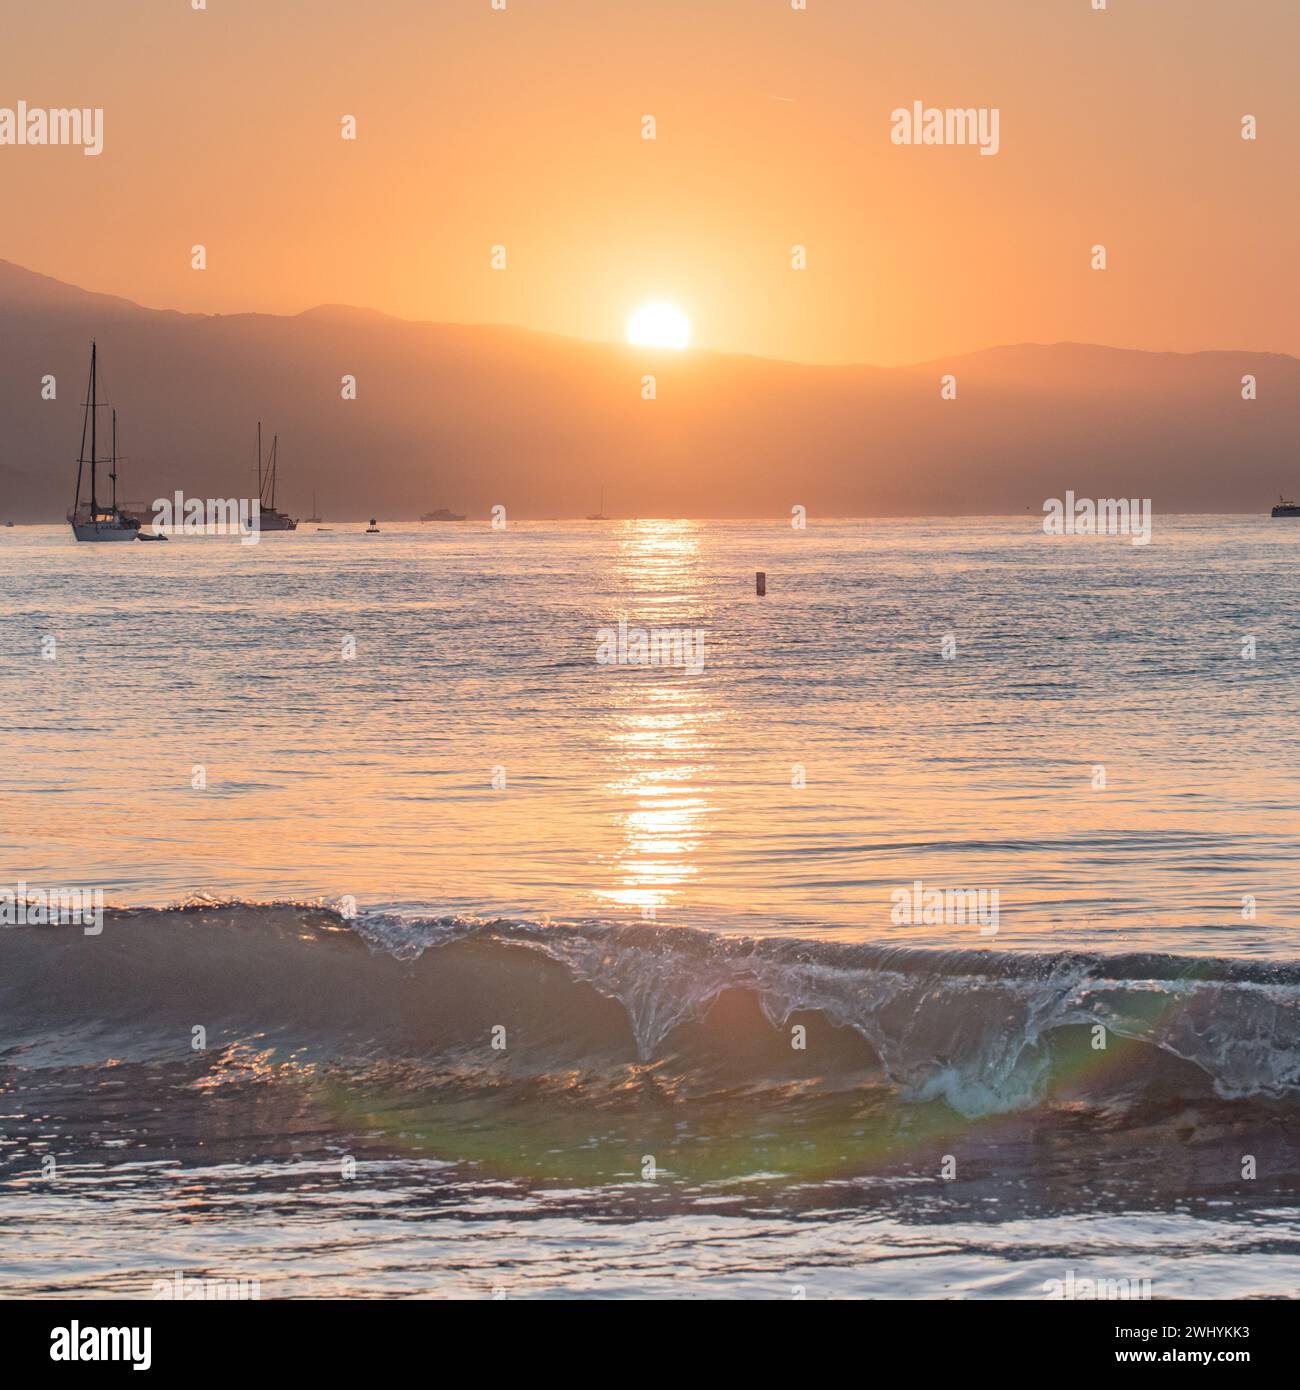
{"x": 369, "y": 311}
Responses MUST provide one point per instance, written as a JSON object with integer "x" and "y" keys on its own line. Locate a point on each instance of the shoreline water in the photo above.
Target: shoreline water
{"x": 318, "y": 1093}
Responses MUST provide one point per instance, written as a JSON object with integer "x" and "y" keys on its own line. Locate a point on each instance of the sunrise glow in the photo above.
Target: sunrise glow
{"x": 659, "y": 325}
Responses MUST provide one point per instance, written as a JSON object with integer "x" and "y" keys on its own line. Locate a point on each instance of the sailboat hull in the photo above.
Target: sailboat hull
{"x": 104, "y": 531}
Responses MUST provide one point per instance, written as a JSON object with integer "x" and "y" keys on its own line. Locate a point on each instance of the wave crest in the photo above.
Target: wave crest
{"x": 984, "y": 1031}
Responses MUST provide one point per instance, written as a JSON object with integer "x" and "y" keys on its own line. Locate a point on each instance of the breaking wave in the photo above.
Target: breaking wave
{"x": 984, "y": 1031}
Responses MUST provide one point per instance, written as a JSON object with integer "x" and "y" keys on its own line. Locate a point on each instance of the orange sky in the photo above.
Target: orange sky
{"x": 523, "y": 128}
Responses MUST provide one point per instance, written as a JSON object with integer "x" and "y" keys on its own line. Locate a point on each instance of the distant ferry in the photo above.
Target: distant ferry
{"x": 1285, "y": 508}
{"x": 95, "y": 521}
{"x": 270, "y": 519}
{"x": 442, "y": 514}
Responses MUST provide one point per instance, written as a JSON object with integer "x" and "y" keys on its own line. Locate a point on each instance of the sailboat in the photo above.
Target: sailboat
{"x": 97, "y": 522}
{"x": 600, "y": 515}
{"x": 270, "y": 519}
{"x": 315, "y": 515}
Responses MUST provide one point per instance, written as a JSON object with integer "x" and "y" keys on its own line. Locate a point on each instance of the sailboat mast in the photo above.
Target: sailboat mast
{"x": 94, "y": 500}
{"x": 259, "y": 460}
{"x": 113, "y": 473}
{"x": 81, "y": 457}
{"x": 275, "y": 450}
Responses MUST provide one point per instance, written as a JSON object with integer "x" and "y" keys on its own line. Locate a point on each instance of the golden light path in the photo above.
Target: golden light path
{"x": 658, "y": 726}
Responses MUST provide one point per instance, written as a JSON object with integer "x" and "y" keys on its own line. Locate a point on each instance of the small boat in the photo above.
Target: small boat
{"x": 1285, "y": 508}
{"x": 600, "y": 515}
{"x": 442, "y": 514}
{"x": 98, "y": 522}
{"x": 8, "y": 524}
{"x": 269, "y": 519}
{"x": 315, "y": 515}
{"x": 373, "y": 528}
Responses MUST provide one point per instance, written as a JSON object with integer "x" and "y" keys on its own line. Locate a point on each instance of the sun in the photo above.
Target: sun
{"x": 659, "y": 325}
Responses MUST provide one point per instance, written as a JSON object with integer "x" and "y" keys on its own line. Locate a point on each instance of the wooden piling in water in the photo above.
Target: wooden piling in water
{"x": 760, "y": 583}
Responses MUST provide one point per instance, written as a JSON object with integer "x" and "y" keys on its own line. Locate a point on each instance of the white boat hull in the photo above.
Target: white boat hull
{"x": 104, "y": 531}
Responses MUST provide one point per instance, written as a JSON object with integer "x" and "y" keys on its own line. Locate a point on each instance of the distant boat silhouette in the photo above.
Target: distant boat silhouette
{"x": 1285, "y": 508}
{"x": 269, "y": 519}
{"x": 97, "y": 522}
{"x": 442, "y": 514}
{"x": 315, "y": 516}
{"x": 600, "y": 515}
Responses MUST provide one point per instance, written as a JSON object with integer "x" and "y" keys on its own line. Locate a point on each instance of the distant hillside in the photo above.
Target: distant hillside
{"x": 470, "y": 416}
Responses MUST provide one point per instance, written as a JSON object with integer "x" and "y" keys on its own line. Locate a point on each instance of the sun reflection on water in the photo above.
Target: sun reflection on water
{"x": 658, "y": 726}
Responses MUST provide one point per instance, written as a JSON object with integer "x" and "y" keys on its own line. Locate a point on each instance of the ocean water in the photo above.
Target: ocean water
{"x": 442, "y": 957}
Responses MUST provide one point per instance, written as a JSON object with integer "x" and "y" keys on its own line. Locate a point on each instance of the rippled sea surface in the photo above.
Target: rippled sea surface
{"x": 826, "y": 755}
{"x": 650, "y": 879}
